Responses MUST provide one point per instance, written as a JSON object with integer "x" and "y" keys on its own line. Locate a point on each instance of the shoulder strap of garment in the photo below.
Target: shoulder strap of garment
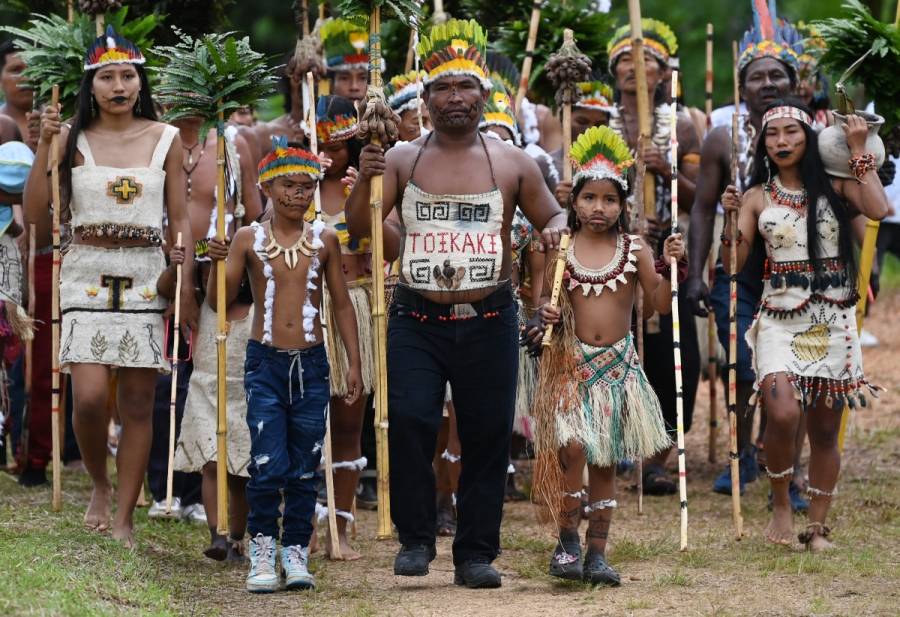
{"x": 412, "y": 171}
{"x": 162, "y": 146}
{"x": 488, "y": 155}
{"x": 85, "y": 148}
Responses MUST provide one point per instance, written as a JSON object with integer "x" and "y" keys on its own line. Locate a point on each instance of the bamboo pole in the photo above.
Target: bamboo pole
{"x": 54, "y": 318}
{"x": 100, "y": 21}
{"x": 711, "y": 339}
{"x": 70, "y": 11}
{"x": 378, "y": 309}
{"x": 173, "y": 392}
{"x": 638, "y": 194}
{"x": 557, "y": 283}
{"x": 221, "y": 339}
{"x": 25, "y": 433}
{"x": 326, "y": 448}
{"x": 643, "y": 102}
{"x": 676, "y": 326}
{"x": 568, "y": 38}
{"x": 529, "y": 53}
{"x": 732, "y": 318}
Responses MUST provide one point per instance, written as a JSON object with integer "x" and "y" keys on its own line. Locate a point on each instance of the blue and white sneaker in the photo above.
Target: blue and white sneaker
{"x": 262, "y": 577}
{"x": 294, "y": 566}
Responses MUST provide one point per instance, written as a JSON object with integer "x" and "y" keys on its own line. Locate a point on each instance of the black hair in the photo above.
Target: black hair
{"x": 86, "y": 110}
{"x": 817, "y": 184}
{"x": 573, "y": 222}
{"x": 339, "y": 105}
{"x": 7, "y": 48}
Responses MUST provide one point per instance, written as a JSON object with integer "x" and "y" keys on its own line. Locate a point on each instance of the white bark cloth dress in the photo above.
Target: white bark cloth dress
{"x": 111, "y": 311}
{"x": 806, "y": 324}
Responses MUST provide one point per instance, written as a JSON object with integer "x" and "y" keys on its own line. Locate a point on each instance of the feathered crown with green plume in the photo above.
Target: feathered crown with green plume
{"x": 498, "y": 111}
{"x": 659, "y": 41}
{"x": 596, "y": 95}
{"x": 401, "y": 91}
{"x": 455, "y": 47}
{"x": 345, "y": 45}
{"x": 213, "y": 74}
{"x": 54, "y": 50}
{"x": 601, "y": 154}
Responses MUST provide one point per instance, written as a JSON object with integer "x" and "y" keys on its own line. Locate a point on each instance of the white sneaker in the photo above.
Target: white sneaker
{"x": 262, "y": 577}
{"x": 158, "y": 510}
{"x": 294, "y": 566}
{"x": 194, "y": 513}
{"x": 867, "y": 339}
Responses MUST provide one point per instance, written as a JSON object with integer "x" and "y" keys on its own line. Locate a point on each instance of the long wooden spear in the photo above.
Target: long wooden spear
{"x": 221, "y": 337}
{"x": 711, "y": 340}
{"x": 326, "y": 448}
{"x": 732, "y": 315}
{"x": 529, "y": 53}
{"x": 643, "y": 102}
{"x": 173, "y": 392}
{"x": 676, "y": 324}
{"x": 54, "y": 318}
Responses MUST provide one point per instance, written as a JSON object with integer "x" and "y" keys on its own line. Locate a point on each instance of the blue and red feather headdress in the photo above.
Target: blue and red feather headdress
{"x": 111, "y": 49}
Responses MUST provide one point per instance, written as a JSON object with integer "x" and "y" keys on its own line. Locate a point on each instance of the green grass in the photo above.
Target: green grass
{"x": 890, "y": 273}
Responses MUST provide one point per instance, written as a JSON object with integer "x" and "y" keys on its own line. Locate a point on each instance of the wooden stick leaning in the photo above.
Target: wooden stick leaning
{"x": 379, "y": 323}
{"x": 643, "y": 101}
{"x": 173, "y": 392}
{"x": 54, "y": 318}
{"x": 712, "y": 342}
{"x": 326, "y": 448}
{"x": 638, "y": 194}
{"x": 25, "y": 433}
{"x": 676, "y": 326}
{"x": 732, "y": 317}
{"x": 529, "y": 54}
{"x": 221, "y": 339}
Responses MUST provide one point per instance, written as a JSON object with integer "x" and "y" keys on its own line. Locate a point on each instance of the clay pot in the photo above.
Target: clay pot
{"x": 833, "y": 144}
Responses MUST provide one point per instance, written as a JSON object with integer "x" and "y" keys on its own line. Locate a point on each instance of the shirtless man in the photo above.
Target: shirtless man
{"x": 453, "y": 316}
{"x": 18, "y": 100}
{"x": 763, "y": 78}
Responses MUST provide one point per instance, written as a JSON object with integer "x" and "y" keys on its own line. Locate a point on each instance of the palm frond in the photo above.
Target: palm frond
{"x": 202, "y": 77}
{"x": 407, "y": 11}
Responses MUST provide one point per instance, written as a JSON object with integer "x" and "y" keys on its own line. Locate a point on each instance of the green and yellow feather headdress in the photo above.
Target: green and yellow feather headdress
{"x": 401, "y": 91}
{"x": 659, "y": 41}
{"x": 601, "y": 154}
{"x": 345, "y": 45}
{"x": 596, "y": 95}
{"x": 498, "y": 111}
{"x": 456, "y": 47}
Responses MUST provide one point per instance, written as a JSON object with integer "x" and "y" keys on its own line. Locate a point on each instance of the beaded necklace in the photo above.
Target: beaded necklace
{"x": 191, "y": 165}
{"x": 781, "y": 196}
{"x": 610, "y": 275}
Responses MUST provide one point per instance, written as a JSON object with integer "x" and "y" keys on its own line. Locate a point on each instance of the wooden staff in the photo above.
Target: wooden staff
{"x": 439, "y": 16}
{"x": 70, "y": 11}
{"x": 676, "y": 325}
{"x": 378, "y": 305}
{"x": 326, "y": 447}
{"x": 643, "y": 101}
{"x": 557, "y": 283}
{"x": 638, "y": 194}
{"x": 100, "y": 21}
{"x": 732, "y": 316}
{"x": 54, "y": 318}
{"x": 24, "y": 433}
{"x": 221, "y": 339}
{"x": 529, "y": 53}
{"x": 173, "y": 392}
{"x": 711, "y": 340}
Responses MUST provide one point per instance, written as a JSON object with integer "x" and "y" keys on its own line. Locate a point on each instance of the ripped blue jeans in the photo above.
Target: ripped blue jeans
{"x": 287, "y": 393}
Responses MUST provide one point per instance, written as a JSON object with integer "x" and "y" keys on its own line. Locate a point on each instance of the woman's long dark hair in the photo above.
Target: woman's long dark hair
{"x": 86, "y": 110}
{"x": 817, "y": 184}
{"x": 573, "y": 222}
{"x": 339, "y": 105}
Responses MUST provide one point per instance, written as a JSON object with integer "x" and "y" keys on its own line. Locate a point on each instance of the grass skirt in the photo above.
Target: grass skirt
{"x": 337, "y": 354}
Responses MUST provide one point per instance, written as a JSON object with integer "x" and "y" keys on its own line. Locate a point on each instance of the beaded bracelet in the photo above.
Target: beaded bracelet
{"x": 862, "y": 164}
{"x": 726, "y": 241}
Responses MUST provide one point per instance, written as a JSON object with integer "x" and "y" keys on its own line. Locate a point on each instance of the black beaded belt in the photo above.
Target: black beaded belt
{"x": 409, "y": 302}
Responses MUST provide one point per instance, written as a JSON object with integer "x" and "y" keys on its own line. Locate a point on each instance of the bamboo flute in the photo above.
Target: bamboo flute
{"x": 560, "y": 269}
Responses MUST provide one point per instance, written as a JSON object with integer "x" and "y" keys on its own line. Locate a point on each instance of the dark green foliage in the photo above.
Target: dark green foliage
{"x": 54, "y": 50}
{"x": 212, "y": 74}
{"x": 404, "y": 10}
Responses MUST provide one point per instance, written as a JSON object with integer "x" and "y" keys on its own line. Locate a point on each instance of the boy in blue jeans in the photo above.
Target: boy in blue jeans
{"x": 286, "y": 370}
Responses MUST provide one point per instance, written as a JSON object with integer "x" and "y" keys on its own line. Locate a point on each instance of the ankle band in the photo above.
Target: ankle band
{"x": 450, "y": 458}
{"x": 357, "y": 465}
{"x": 817, "y": 492}
{"x": 603, "y": 504}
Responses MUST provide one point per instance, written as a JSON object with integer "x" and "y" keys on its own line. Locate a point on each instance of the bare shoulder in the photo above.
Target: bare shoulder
{"x": 399, "y": 159}
{"x": 9, "y": 130}
{"x": 244, "y": 237}
{"x": 753, "y": 198}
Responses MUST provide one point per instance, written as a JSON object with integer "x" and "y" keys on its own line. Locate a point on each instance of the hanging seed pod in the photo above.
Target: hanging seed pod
{"x": 566, "y": 68}
{"x": 378, "y": 121}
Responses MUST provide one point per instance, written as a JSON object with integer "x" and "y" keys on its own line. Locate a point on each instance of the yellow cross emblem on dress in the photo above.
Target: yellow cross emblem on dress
{"x": 125, "y": 189}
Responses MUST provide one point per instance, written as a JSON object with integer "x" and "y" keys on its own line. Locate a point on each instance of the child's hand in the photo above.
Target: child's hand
{"x": 354, "y": 385}
{"x": 674, "y": 248}
{"x": 731, "y": 199}
{"x": 549, "y": 314}
{"x": 325, "y": 161}
{"x": 218, "y": 250}
{"x": 176, "y": 255}
{"x": 350, "y": 179}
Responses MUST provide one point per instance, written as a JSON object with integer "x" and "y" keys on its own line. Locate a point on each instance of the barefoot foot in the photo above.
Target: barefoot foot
{"x": 217, "y": 549}
{"x": 97, "y": 515}
{"x": 816, "y": 538}
{"x": 347, "y": 552}
{"x": 780, "y": 529}
{"x": 124, "y": 533}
